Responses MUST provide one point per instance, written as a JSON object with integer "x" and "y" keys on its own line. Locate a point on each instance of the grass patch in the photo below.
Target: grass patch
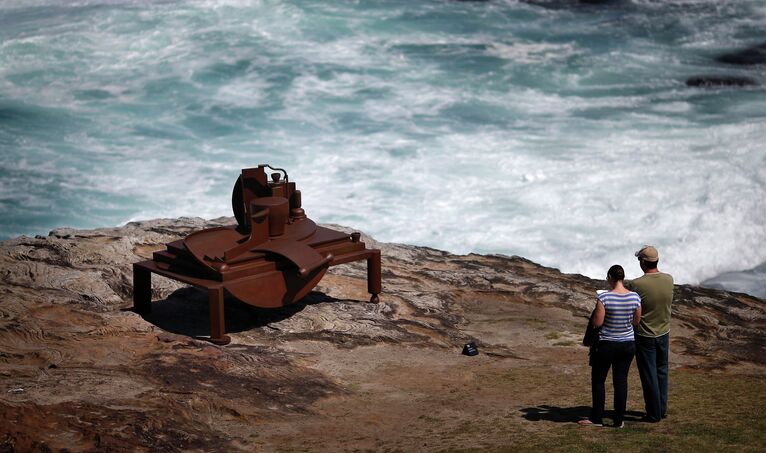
{"x": 707, "y": 412}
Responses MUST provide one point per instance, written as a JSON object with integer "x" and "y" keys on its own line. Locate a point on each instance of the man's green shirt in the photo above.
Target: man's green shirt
{"x": 656, "y": 291}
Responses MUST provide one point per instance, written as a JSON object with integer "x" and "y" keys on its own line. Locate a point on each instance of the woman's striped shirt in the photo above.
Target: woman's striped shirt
{"x": 619, "y": 315}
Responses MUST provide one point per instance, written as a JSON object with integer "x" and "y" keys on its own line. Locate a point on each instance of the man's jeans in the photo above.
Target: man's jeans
{"x": 652, "y": 361}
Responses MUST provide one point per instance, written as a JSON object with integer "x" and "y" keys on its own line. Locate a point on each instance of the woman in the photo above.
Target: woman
{"x": 617, "y": 311}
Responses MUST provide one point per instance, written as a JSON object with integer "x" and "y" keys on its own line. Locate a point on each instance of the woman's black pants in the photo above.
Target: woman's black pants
{"x": 617, "y": 355}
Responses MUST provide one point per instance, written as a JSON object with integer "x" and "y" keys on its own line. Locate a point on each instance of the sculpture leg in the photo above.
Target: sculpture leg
{"x": 142, "y": 290}
{"x": 373, "y": 275}
{"x": 217, "y": 321}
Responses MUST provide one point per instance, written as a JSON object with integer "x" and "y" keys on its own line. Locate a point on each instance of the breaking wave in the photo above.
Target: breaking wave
{"x": 561, "y": 132}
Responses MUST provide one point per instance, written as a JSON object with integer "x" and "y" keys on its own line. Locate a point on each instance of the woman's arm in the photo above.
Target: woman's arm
{"x": 598, "y": 317}
{"x": 637, "y": 316}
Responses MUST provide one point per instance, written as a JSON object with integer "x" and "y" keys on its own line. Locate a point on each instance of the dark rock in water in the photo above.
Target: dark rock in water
{"x": 720, "y": 81}
{"x": 565, "y": 4}
{"x": 750, "y": 56}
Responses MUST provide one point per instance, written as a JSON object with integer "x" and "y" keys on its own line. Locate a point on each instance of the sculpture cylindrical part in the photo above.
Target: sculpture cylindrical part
{"x": 296, "y": 211}
{"x": 278, "y": 212}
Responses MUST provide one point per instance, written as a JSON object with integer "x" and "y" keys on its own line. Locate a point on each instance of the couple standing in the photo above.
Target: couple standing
{"x": 617, "y": 312}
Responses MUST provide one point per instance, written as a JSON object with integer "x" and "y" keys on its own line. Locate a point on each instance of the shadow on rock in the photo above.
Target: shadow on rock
{"x": 186, "y": 312}
{"x": 569, "y": 414}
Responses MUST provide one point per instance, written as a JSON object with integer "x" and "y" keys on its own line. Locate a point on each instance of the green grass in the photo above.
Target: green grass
{"x": 708, "y": 412}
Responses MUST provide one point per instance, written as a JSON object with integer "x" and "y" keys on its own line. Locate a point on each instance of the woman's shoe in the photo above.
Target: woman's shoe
{"x": 587, "y": 422}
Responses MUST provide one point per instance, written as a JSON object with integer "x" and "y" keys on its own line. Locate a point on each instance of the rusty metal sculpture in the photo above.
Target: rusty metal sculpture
{"x": 274, "y": 256}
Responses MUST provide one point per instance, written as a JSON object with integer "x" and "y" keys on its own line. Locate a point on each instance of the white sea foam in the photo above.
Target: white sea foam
{"x": 521, "y": 52}
{"x": 581, "y": 214}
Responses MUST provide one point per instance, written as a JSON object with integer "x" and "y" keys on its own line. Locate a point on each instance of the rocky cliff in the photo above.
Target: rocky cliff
{"x": 80, "y": 371}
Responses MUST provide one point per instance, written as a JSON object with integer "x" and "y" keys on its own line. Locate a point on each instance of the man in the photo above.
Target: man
{"x": 652, "y": 334}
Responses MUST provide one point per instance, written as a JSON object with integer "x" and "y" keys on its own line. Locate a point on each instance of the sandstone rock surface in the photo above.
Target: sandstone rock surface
{"x": 80, "y": 371}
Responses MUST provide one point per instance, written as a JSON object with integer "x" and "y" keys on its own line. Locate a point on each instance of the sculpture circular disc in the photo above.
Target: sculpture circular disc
{"x": 237, "y": 203}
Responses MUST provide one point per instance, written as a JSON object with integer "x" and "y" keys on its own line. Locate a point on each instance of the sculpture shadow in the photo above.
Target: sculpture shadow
{"x": 186, "y": 312}
{"x": 569, "y": 414}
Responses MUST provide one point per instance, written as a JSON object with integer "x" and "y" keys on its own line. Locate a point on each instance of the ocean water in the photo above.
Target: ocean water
{"x": 554, "y": 130}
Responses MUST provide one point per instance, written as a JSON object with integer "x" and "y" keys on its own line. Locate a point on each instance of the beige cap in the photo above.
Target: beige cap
{"x": 648, "y": 253}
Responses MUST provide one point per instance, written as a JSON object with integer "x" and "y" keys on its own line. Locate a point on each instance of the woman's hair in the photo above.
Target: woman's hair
{"x": 616, "y": 273}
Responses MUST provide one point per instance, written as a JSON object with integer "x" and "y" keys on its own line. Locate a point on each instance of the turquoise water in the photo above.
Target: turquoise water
{"x": 560, "y": 132}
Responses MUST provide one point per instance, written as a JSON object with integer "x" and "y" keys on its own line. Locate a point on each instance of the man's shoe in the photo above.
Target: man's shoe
{"x": 620, "y": 426}
{"x": 648, "y": 419}
{"x": 665, "y": 415}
